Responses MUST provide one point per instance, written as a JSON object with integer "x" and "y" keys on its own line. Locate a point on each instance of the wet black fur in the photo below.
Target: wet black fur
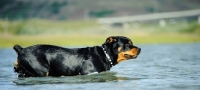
{"x": 37, "y": 60}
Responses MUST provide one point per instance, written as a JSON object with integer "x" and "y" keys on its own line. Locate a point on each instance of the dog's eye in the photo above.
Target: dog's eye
{"x": 127, "y": 44}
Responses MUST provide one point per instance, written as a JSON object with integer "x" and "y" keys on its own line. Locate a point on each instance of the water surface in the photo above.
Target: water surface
{"x": 158, "y": 67}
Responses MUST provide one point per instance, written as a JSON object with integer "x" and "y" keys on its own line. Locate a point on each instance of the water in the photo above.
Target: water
{"x": 159, "y": 67}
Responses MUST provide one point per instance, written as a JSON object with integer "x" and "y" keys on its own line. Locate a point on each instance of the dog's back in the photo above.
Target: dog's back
{"x": 49, "y": 60}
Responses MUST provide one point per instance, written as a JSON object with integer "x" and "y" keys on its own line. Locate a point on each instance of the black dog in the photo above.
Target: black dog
{"x": 49, "y": 60}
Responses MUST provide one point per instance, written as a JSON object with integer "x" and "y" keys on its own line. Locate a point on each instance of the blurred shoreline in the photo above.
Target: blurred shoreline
{"x": 90, "y": 33}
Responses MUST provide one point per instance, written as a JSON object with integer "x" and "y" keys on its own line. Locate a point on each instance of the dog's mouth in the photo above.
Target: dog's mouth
{"x": 130, "y": 56}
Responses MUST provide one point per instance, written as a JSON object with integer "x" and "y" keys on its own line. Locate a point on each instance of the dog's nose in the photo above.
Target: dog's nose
{"x": 138, "y": 51}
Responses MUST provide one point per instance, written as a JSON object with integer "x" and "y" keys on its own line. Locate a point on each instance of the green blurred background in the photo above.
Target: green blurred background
{"x": 75, "y": 22}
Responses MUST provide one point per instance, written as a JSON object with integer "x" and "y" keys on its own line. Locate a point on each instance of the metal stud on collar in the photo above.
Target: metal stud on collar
{"x": 107, "y": 56}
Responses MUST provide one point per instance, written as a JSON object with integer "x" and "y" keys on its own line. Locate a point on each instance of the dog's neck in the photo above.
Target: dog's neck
{"x": 108, "y": 57}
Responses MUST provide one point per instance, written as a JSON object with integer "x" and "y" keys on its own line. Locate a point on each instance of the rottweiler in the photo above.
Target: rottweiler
{"x": 48, "y": 60}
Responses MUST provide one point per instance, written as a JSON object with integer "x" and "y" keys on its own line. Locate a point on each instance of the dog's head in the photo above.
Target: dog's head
{"x": 121, "y": 48}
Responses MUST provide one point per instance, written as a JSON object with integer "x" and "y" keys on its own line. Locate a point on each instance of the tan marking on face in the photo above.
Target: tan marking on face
{"x": 119, "y": 49}
{"x": 129, "y": 43}
{"x": 16, "y": 64}
{"x": 122, "y": 57}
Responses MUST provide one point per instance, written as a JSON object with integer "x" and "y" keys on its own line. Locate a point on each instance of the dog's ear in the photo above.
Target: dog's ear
{"x": 111, "y": 39}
